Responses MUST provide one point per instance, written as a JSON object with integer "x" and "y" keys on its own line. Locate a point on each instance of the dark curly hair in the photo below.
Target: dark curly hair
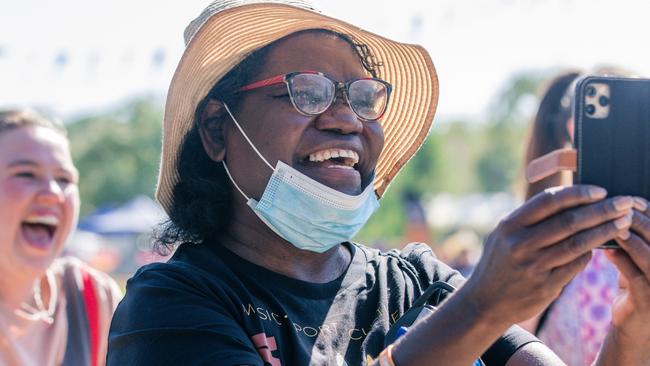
{"x": 199, "y": 209}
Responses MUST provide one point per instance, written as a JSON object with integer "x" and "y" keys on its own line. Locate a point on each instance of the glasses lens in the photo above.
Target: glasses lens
{"x": 368, "y": 98}
{"x": 311, "y": 93}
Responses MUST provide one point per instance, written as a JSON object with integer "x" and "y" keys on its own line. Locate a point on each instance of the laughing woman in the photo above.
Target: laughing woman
{"x": 52, "y": 311}
{"x": 283, "y": 128}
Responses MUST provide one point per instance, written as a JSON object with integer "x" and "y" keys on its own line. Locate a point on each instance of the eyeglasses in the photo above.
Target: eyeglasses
{"x": 312, "y": 93}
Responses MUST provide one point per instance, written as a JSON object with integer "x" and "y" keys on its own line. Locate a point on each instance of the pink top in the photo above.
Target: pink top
{"x": 579, "y": 320}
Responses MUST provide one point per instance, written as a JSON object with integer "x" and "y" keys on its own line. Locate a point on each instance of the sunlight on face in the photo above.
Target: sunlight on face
{"x": 39, "y": 198}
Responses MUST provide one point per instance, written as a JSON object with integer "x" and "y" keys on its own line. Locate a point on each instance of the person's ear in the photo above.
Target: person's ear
{"x": 211, "y": 129}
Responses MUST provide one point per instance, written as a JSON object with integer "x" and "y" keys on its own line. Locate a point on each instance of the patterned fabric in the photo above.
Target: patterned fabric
{"x": 579, "y": 320}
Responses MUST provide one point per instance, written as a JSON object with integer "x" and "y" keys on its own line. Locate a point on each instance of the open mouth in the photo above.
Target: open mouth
{"x": 38, "y": 231}
{"x": 334, "y": 158}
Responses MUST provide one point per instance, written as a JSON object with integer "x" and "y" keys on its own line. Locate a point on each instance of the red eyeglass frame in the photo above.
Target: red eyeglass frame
{"x": 284, "y": 78}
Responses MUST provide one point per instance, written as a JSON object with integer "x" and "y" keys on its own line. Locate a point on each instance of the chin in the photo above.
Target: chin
{"x": 351, "y": 187}
{"x": 39, "y": 259}
{"x": 34, "y": 266}
{"x": 350, "y": 191}
{"x": 347, "y": 181}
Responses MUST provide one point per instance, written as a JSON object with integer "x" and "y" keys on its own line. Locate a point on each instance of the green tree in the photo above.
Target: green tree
{"x": 499, "y": 163}
{"x": 460, "y": 157}
{"x": 117, "y": 154}
{"x": 419, "y": 177}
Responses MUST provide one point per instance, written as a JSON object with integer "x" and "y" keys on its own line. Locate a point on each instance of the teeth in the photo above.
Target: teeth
{"x": 43, "y": 220}
{"x": 334, "y": 153}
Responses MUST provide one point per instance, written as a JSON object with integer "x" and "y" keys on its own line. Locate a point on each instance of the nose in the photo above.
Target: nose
{"x": 340, "y": 118}
{"x": 51, "y": 192}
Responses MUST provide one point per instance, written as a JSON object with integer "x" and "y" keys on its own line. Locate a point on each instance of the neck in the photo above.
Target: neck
{"x": 252, "y": 240}
{"x": 15, "y": 290}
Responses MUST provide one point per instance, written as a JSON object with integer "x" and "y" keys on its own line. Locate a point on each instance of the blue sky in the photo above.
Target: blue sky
{"x": 74, "y": 56}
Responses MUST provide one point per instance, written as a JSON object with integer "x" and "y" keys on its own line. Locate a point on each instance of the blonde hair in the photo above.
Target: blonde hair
{"x": 15, "y": 118}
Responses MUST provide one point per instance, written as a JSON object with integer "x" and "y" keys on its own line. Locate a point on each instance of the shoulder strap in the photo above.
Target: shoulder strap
{"x": 92, "y": 312}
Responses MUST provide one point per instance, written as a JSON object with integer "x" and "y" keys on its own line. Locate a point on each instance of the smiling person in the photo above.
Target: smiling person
{"x": 283, "y": 127}
{"x": 52, "y": 311}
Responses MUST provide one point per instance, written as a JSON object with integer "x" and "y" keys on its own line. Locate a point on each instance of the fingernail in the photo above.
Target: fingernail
{"x": 623, "y": 203}
{"x": 597, "y": 192}
{"x": 640, "y": 204}
{"x": 623, "y": 222}
{"x": 624, "y": 235}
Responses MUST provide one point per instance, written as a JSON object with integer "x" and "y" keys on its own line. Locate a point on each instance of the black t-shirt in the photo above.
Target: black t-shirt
{"x": 208, "y": 306}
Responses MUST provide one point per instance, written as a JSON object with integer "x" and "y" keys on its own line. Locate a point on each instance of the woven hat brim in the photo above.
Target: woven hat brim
{"x": 231, "y": 35}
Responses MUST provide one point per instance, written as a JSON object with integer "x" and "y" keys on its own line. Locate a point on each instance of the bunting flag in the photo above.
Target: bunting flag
{"x": 61, "y": 59}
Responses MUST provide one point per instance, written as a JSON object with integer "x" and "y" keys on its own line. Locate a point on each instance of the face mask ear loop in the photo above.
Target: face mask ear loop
{"x": 233, "y": 181}
{"x": 247, "y": 139}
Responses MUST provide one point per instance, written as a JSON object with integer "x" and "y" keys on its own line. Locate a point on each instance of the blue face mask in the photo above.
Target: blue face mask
{"x": 304, "y": 212}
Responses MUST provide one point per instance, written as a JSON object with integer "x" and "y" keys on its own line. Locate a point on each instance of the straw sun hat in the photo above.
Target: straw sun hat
{"x": 227, "y": 31}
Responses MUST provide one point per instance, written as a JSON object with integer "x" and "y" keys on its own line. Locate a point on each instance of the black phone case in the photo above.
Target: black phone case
{"x": 614, "y": 152}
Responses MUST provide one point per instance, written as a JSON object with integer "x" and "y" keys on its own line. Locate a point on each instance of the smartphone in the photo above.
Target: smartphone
{"x": 612, "y": 135}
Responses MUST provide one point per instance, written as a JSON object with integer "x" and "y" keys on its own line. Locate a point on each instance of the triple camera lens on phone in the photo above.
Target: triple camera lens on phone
{"x": 597, "y": 100}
